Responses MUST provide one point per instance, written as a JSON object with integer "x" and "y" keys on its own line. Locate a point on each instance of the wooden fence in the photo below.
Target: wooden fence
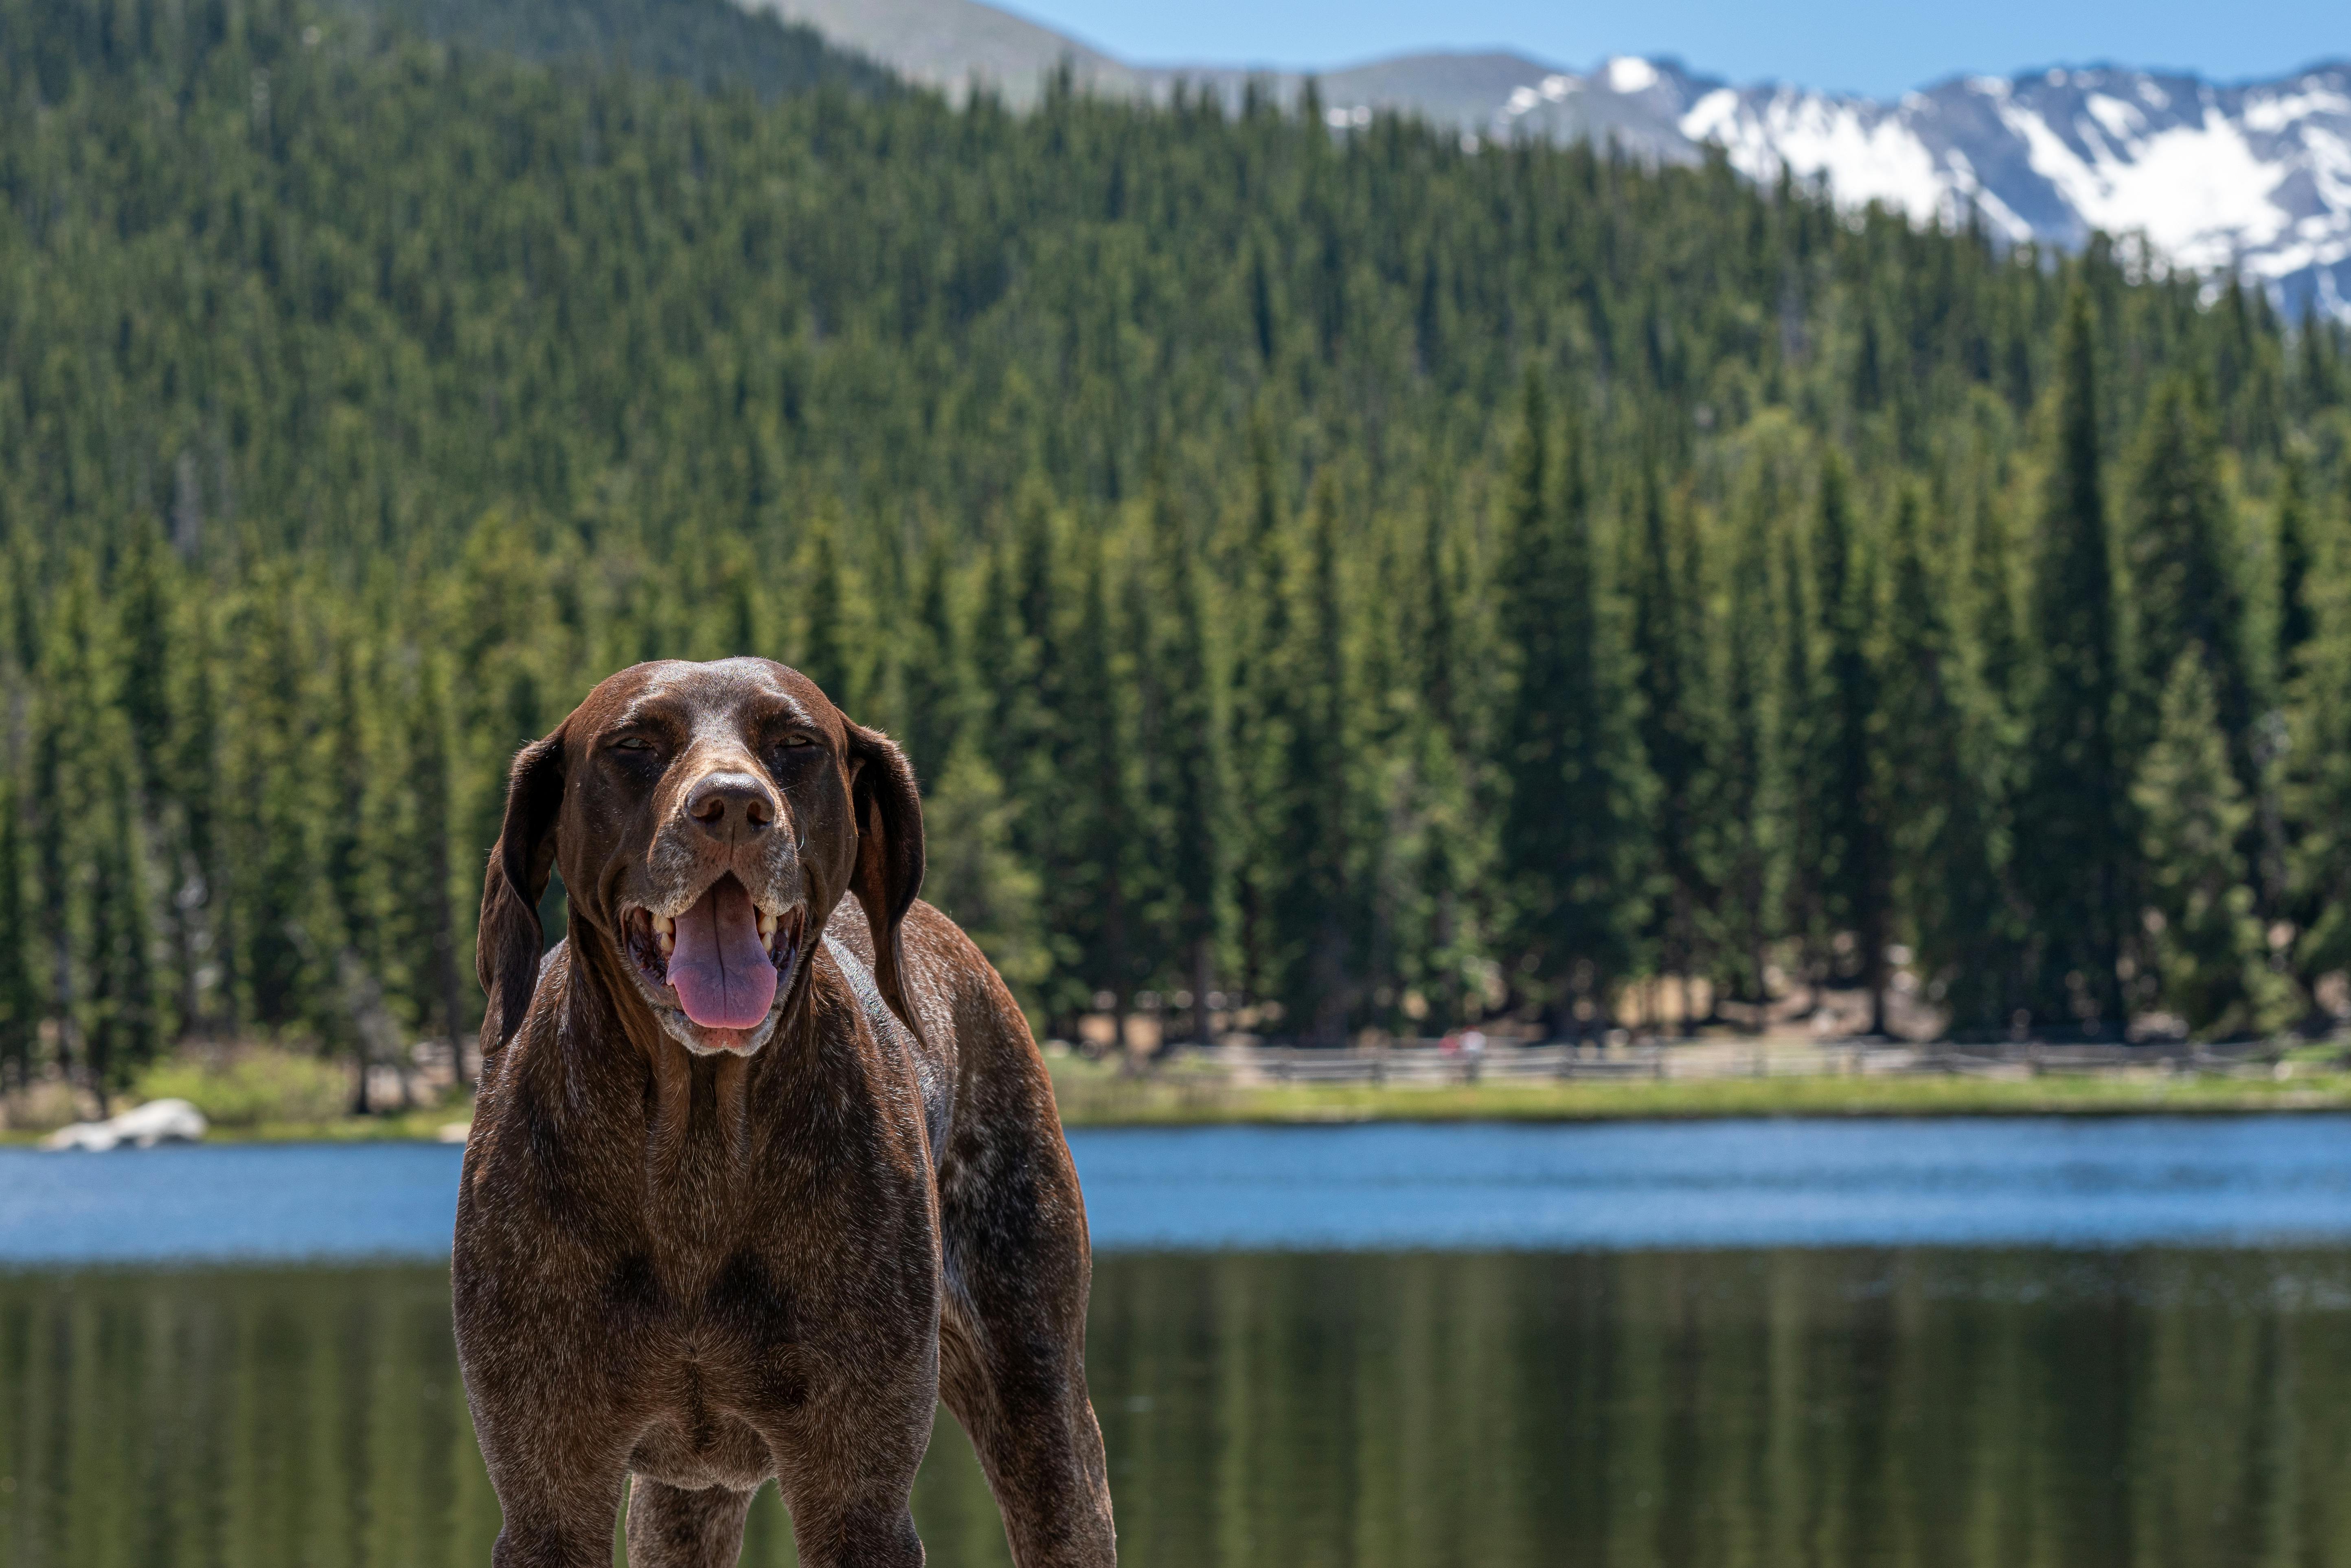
{"x": 1431, "y": 1063}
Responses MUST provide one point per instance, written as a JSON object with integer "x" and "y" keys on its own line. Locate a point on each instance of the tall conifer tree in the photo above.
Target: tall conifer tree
{"x": 1190, "y": 779}
{"x": 2184, "y": 587}
{"x": 2072, "y": 841}
{"x": 1673, "y": 738}
{"x": 2211, "y": 963}
{"x": 1803, "y": 723}
{"x": 1941, "y": 817}
{"x": 1568, "y": 832}
{"x": 936, "y": 680}
{"x": 1094, "y": 899}
{"x": 1855, "y": 863}
{"x": 1311, "y": 908}
{"x": 1753, "y": 781}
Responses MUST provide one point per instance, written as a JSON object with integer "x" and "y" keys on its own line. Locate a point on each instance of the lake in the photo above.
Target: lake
{"x": 1772, "y": 1343}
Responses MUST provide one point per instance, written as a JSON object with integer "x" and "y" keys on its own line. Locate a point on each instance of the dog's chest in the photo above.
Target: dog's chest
{"x": 734, "y": 1348}
{"x": 714, "y": 1344}
{"x": 735, "y": 1266}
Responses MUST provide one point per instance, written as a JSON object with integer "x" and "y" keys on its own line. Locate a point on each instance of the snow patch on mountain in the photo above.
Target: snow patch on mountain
{"x": 2254, "y": 178}
{"x": 1868, "y": 153}
{"x": 2198, "y": 191}
{"x": 1626, "y": 74}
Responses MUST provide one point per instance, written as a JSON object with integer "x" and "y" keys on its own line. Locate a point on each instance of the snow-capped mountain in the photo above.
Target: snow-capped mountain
{"x": 2255, "y": 175}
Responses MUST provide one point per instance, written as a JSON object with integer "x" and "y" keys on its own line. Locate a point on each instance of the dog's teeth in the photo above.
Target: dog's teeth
{"x": 767, "y": 926}
{"x": 664, "y": 925}
{"x": 668, "y": 940}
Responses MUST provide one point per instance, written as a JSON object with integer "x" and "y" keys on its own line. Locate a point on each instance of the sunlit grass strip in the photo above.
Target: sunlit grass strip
{"x": 1093, "y": 1095}
{"x": 1096, "y": 1097}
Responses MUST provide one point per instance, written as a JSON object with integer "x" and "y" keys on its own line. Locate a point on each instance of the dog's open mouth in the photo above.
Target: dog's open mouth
{"x": 723, "y": 956}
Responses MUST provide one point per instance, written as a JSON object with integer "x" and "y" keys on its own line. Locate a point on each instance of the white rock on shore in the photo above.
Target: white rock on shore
{"x": 157, "y": 1121}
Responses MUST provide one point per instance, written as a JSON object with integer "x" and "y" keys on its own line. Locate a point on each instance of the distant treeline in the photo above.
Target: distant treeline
{"x": 1385, "y": 581}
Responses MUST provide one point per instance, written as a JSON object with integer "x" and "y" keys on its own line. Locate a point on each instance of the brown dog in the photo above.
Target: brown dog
{"x": 750, "y": 1188}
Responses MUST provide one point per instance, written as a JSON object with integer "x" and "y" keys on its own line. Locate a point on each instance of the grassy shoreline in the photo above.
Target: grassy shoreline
{"x": 1093, "y": 1095}
{"x": 1156, "y": 1102}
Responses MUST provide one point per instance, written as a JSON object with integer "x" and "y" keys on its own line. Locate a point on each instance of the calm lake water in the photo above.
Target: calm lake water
{"x": 1785, "y": 1345}
{"x": 2012, "y": 1181}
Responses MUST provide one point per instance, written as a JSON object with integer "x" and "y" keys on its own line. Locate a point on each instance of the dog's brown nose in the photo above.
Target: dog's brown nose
{"x": 730, "y": 805}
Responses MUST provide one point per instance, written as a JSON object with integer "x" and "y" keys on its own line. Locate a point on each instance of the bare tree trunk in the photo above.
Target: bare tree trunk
{"x": 186, "y": 900}
{"x": 65, "y": 1051}
{"x": 1203, "y": 1026}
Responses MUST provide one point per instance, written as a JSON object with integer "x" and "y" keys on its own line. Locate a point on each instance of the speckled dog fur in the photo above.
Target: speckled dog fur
{"x": 682, "y": 1267}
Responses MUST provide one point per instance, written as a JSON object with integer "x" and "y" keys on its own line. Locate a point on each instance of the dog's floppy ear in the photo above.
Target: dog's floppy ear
{"x": 507, "y": 947}
{"x": 889, "y": 812}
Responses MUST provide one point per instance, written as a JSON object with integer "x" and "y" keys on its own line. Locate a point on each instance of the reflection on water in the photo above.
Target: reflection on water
{"x": 1772, "y": 1409}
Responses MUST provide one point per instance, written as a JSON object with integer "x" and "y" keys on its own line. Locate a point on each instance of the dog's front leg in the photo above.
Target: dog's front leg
{"x": 670, "y": 1527}
{"x": 847, "y": 1475}
{"x": 854, "y": 1532}
{"x": 557, "y": 1521}
{"x": 557, "y": 1467}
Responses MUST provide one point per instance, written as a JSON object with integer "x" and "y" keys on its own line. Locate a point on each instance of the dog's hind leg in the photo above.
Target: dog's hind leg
{"x": 1012, "y": 1344}
{"x": 670, "y": 1527}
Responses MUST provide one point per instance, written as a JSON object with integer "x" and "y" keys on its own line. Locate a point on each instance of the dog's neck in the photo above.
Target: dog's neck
{"x": 601, "y": 1000}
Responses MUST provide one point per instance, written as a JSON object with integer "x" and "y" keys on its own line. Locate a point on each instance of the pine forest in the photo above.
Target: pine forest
{"x": 1376, "y": 580}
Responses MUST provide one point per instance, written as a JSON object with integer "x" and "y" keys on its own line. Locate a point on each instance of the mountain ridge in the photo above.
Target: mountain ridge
{"x": 2251, "y": 176}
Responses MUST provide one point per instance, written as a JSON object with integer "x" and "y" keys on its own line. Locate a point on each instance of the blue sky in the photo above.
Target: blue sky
{"x": 1841, "y": 44}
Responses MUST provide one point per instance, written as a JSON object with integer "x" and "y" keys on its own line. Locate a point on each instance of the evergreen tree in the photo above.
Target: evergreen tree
{"x": 972, "y": 875}
{"x": 20, "y": 993}
{"x": 1094, "y": 899}
{"x": 202, "y": 933}
{"x": 1855, "y": 863}
{"x": 1672, "y": 733}
{"x": 1189, "y": 782}
{"x": 1568, "y": 833}
{"x": 121, "y": 1029}
{"x": 938, "y": 670}
{"x": 2072, "y": 843}
{"x": 277, "y": 820}
{"x": 1310, "y": 908}
{"x": 2182, "y": 574}
{"x": 1753, "y": 772}
{"x": 1459, "y": 852}
{"x": 1024, "y": 625}
{"x": 2211, "y": 962}
{"x": 1999, "y": 655}
{"x": 1941, "y": 819}
{"x": 66, "y": 689}
{"x": 2296, "y": 623}
{"x": 144, "y": 608}
{"x": 351, "y": 856}
{"x": 433, "y": 932}
{"x": 1262, "y": 703}
{"x": 2314, "y": 790}
{"x": 829, "y": 655}
{"x": 1804, "y": 718}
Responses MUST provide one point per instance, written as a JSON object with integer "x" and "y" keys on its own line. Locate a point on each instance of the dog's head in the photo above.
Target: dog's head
{"x": 707, "y": 818}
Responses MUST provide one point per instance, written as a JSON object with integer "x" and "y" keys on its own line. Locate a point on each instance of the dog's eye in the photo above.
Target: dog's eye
{"x": 632, "y": 743}
{"x": 790, "y": 741}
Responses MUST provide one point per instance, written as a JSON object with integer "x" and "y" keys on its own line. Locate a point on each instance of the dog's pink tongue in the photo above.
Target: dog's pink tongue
{"x": 724, "y": 976}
